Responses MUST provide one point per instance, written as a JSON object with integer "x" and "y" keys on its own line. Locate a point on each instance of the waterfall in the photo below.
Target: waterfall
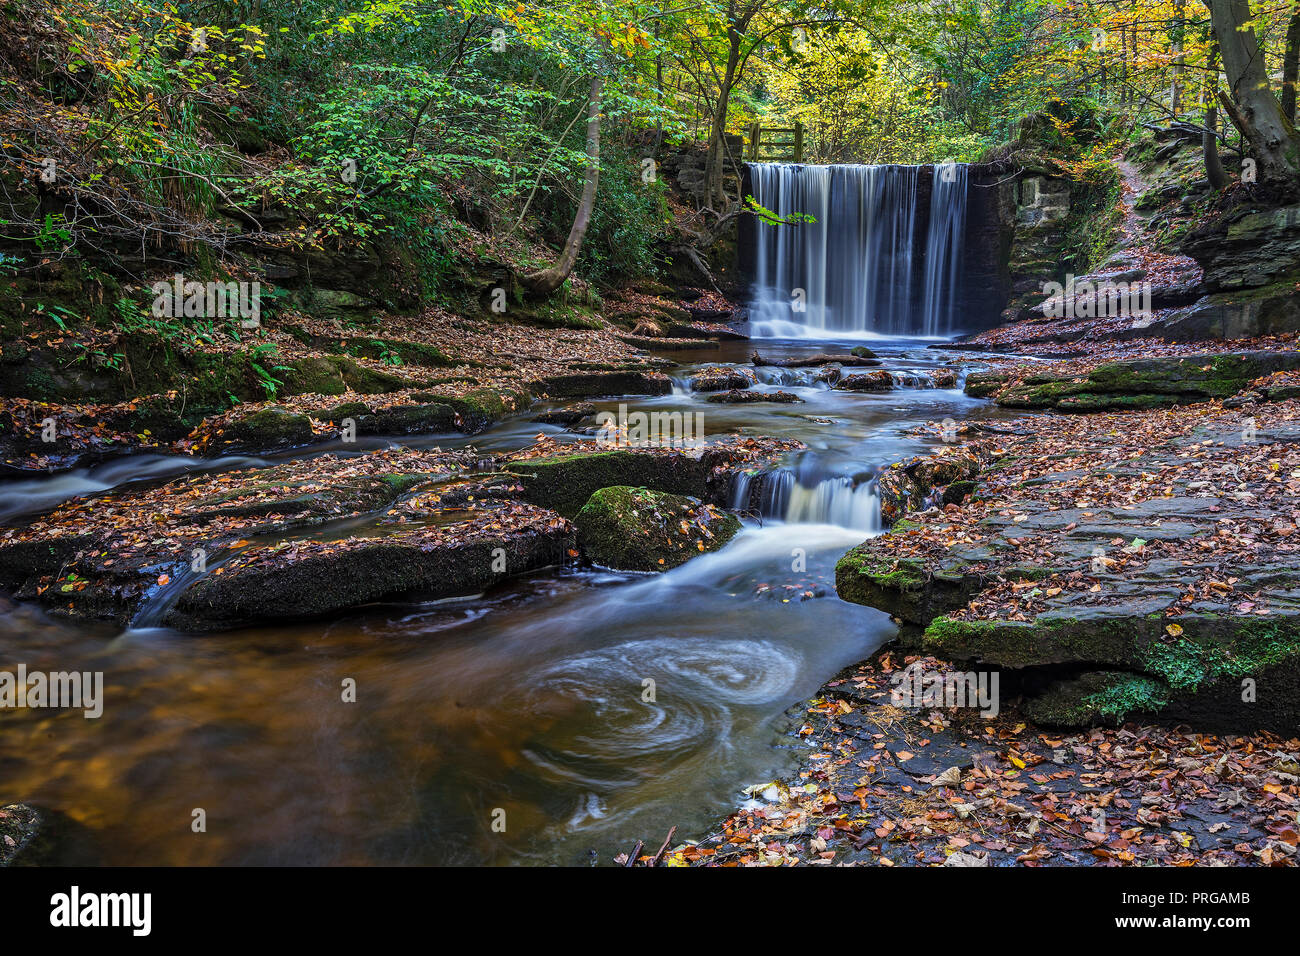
{"x": 943, "y": 246}
{"x": 851, "y": 273}
{"x": 784, "y": 495}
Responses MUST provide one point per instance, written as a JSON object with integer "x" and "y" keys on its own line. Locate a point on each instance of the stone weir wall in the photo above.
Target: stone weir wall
{"x": 993, "y": 206}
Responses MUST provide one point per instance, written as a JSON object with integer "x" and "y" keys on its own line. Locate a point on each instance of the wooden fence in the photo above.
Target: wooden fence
{"x": 772, "y": 144}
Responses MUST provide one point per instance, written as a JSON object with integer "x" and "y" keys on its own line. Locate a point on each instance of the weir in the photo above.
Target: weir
{"x": 886, "y": 254}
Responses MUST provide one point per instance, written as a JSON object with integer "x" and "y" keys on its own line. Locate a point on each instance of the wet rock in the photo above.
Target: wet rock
{"x": 19, "y": 824}
{"x": 312, "y": 579}
{"x": 36, "y": 836}
{"x": 566, "y": 482}
{"x": 409, "y": 420}
{"x": 604, "y": 383}
{"x": 875, "y": 381}
{"x": 986, "y": 384}
{"x": 722, "y": 379}
{"x": 1147, "y": 382}
{"x": 903, "y": 589}
{"x": 268, "y": 428}
{"x": 859, "y": 357}
{"x": 569, "y": 415}
{"x": 633, "y": 529}
{"x": 738, "y": 397}
{"x": 911, "y": 485}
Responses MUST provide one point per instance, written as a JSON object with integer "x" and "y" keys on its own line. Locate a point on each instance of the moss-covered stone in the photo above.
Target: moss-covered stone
{"x": 335, "y": 374}
{"x": 901, "y": 588}
{"x": 986, "y": 384}
{"x": 269, "y": 428}
{"x": 1148, "y": 382}
{"x": 565, "y": 483}
{"x": 634, "y": 529}
{"x": 1097, "y": 697}
{"x": 611, "y": 382}
{"x": 357, "y": 571}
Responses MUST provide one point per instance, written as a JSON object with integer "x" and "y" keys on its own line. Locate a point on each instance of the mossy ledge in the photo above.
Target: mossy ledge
{"x": 1136, "y": 383}
{"x": 1218, "y": 672}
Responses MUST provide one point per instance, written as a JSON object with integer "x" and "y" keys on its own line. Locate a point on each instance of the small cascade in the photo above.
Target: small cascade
{"x": 785, "y": 377}
{"x": 855, "y": 270}
{"x": 782, "y": 494}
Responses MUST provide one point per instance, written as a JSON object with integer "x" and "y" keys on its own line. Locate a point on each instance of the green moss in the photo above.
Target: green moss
{"x": 1204, "y": 654}
{"x": 409, "y": 353}
{"x": 1128, "y": 693}
{"x": 566, "y": 482}
{"x": 1098, "y": 697}
{"x": 270, "y": 428}
{"x": 400, "y": 484}
{"x": 634, "y": 529}
{"x": 1038, "y": 642}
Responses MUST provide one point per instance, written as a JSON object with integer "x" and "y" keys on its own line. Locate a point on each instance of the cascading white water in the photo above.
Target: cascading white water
{"x": 850, "y": 273}
{"x": 835, "y": 499}
{"x": 943, "y": 247}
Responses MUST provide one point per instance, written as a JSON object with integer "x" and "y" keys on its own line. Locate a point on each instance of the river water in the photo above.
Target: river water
{"x": 582, "y": 709}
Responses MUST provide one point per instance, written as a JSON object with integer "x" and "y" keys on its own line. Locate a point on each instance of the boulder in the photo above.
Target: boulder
{"x": 634, "y": 529}
{"x": 875, "y": 381}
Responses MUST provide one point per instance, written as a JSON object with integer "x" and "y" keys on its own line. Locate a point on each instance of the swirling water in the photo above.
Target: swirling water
{"x": 582, "y": 709}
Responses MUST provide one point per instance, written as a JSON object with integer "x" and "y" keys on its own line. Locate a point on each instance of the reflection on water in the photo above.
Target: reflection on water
{"x": 593, "y": 708}
{"x": 533, "y": 700}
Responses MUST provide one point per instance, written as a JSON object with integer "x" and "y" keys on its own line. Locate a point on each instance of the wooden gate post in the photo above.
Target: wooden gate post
{"x": 798, "y": 142}
{"x": 754, "y": 132}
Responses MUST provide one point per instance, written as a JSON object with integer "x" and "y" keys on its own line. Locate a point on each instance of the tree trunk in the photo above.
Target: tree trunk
{"x": 1209, "y": 139}
{"x": 548, "y": 280}
{"x": 1253, "y": 107}
{"x": 1291, "y": 66}
{"x": 1210, "y": 149}
{"x": 715, "y": 160}
{"x": 1176, "y": 41}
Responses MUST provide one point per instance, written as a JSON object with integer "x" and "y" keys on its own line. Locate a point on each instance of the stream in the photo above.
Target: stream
{"x": 529, "y": 703}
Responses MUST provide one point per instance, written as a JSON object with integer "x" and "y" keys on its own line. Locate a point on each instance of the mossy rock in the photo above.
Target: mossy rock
{"x": 902, "y": 588}
{"x": 1226, "y": 673}
{"x": 358, "y": 572}
{"x": 1149, "y": 382}
{"x": 270, "y": 428}
{"x": 634, "y": 529}
{"x": 874, "y": 381}
{"x": 565, "y": 483}
{"x": 335, "y": 374}
{"x": 604, "y": 382}
{"x": 409, "y": 420}
{"x": 1098, "y": 697}
{"x": 1017, "y": 644}
{"x": 722, "y": 379}
{"x": 409, "y": 353}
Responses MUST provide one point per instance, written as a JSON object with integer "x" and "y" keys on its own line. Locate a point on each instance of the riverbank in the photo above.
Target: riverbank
{"x": 889, "y": 785}
{"x": 1122, "y": 580}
